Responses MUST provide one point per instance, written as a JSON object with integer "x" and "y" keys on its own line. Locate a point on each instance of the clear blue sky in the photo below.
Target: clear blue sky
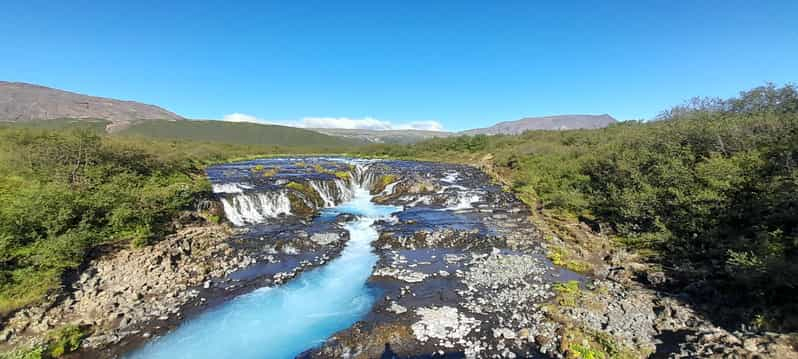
{"x": 462, "y": 63}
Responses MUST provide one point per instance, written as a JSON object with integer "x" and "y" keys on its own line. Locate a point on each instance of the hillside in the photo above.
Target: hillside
{"x": 560, "y": 122}
{"x": 383, "y": 136}
{"x": 27, "y": 102}
{"x": 706, "y": 196}
{"x": 239, "y": 133}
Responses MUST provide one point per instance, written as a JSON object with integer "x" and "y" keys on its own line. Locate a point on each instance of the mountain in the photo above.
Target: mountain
{"x": 383, "y": 136}
{"x": 561, "y": 122}
{"x": 28, "y": 105}
{"x": 21, "y": 101}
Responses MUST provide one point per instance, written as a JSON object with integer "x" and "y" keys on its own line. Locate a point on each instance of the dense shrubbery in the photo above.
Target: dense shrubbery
{"x": 63, "y": 193}
{"x": 710, "y": 190}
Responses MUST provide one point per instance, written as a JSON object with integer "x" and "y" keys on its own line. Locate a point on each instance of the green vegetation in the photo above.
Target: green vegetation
{"x": 65, "y": 340}
{"x": 64, "y": 193}
{"x": 586, "y": 344}
{"x": 709, "y": 191}
{"x": 344, "y": 175}
{"x": 560, "y": 257}
{"x": 97, "y": 126}
{"x": 235, "y": 133}
{"x": 298, "y": 204}
{"x": 58, "y": 343}
{"x": 383, "y": 182}
{"x": 567, "y": 293}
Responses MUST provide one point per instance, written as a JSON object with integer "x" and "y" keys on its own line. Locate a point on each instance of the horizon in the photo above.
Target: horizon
{"x": 444, "y": 66}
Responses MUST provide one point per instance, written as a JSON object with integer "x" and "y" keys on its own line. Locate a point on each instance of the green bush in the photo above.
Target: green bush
{"x": 709, "y": 190}
{"x": 64, "y": 193}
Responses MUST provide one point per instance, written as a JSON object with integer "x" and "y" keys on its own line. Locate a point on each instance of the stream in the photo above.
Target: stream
{"x": 284, "y": 321}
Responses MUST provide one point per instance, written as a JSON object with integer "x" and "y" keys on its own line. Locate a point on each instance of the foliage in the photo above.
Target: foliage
{"x": 64, "y": 193}
{"x": 236, "y": 133}
{"x": 298, "y": 205}
{"x": 383, "y": 182}
{"x": 560, "y": 257}
{"x": 567, "y": 293}
{"x": 65, "y": 340}
{"x": 710, "y": 189}
{"x": 58, "y": 343}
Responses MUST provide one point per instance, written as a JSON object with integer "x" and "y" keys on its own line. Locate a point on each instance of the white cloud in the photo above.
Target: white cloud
{"x": 365, "y": 123}
{"x": 241, "y": 117}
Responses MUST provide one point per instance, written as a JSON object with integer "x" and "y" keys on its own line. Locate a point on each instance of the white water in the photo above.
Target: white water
{"x": 332, "y": 192}
{"x": 282, "y": 322}
{"x": 230, "y": 187}
{"x": 255, "y": 207}
{"x": 464, "y": 201}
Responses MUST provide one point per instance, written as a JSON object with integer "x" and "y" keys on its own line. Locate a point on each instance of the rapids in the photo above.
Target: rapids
{"x": 281, "y": 322}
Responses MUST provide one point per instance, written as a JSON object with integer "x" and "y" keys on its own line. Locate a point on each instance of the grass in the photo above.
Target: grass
{"x": 567, "y": 293}
{"x": 578, "y": 343}
{"x": 57, "y": 344}
{"x": 298, "y": 205}
{"x": 559, "y": 256}
{"x": 234, "y": 133}
{"x": 383, "y": 182}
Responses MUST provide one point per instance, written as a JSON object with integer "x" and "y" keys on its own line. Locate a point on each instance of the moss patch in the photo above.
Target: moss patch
{"x": 568, "y": 293}
{"x": 383, "y": 182}
{"x": 577, "y": 343}
{"x": 561, "y": 257}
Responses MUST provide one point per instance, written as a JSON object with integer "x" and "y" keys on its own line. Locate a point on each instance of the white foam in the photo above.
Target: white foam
{"x": 232, "y": 187}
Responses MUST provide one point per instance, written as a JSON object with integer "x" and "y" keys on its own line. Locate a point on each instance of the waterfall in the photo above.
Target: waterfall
{"x": 255, "y": 207}
{"x": 389, "y": 188}
{"x": 232, "y": 187}
{"x": 464, "y": 200}
{"x": 243, "y": 204}
{"x": 362, "y": 176}
{"x": 332, "y": 192}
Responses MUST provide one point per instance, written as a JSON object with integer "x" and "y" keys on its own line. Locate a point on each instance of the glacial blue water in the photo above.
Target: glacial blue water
{"x": 281, "y": 322}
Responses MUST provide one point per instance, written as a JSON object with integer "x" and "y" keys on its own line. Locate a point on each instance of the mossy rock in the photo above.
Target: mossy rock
{"x": 383, "y": 182}
{"x": 308, "y": 192}
{"x": 299, "y": 207}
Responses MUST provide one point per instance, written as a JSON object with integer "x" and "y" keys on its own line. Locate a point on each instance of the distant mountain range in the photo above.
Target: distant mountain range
{"x": 561, "y": 122}
{"x": 384, "y": 136}
{"x": 38, "y": 106}
{"x": 25, "y": 102}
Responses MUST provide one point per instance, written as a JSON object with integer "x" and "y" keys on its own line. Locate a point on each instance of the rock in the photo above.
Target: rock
{"x": 396, "y": 308}
{"x": 442, "y": 323}
{"x": 325, "y": 238}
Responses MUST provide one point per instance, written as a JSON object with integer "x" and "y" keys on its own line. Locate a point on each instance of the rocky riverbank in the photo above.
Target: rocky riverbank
{"x": 464, "y": 270}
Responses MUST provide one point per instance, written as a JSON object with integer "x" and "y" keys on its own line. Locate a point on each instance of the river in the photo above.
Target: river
{"x": 281, "y": 322}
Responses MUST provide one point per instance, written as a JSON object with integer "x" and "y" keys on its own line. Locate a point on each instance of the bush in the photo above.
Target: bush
{"x": 710, "y": 190}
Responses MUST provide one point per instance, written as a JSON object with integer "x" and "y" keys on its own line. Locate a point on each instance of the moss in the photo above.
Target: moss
{"x": 578, "y": 343}
{"x": 34, "y": 352}
{"x": 560, "y": 257}
{"x": 298, "y": 204}
{"x": 257, "y": 168}
{"x": 584, "y": 351}
{"x": 214, "y": 218}
{"x": 383, "y": 182}
{"x": 567, "y": 293}
{"x": 342, "y": 175}
{"x": 271, "y": 172}
{"x": 65, "y": 340}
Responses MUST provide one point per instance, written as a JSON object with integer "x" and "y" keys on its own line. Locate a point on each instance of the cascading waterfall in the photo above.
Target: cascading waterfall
{"x": 255, "y": 207}
{"x": 282, "y": 322}
{"x": 333, "y": 192}
{"x": 243, "y": 204}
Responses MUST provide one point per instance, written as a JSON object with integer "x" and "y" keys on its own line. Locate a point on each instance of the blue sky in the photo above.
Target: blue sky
{"x": 463, "y": 64}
